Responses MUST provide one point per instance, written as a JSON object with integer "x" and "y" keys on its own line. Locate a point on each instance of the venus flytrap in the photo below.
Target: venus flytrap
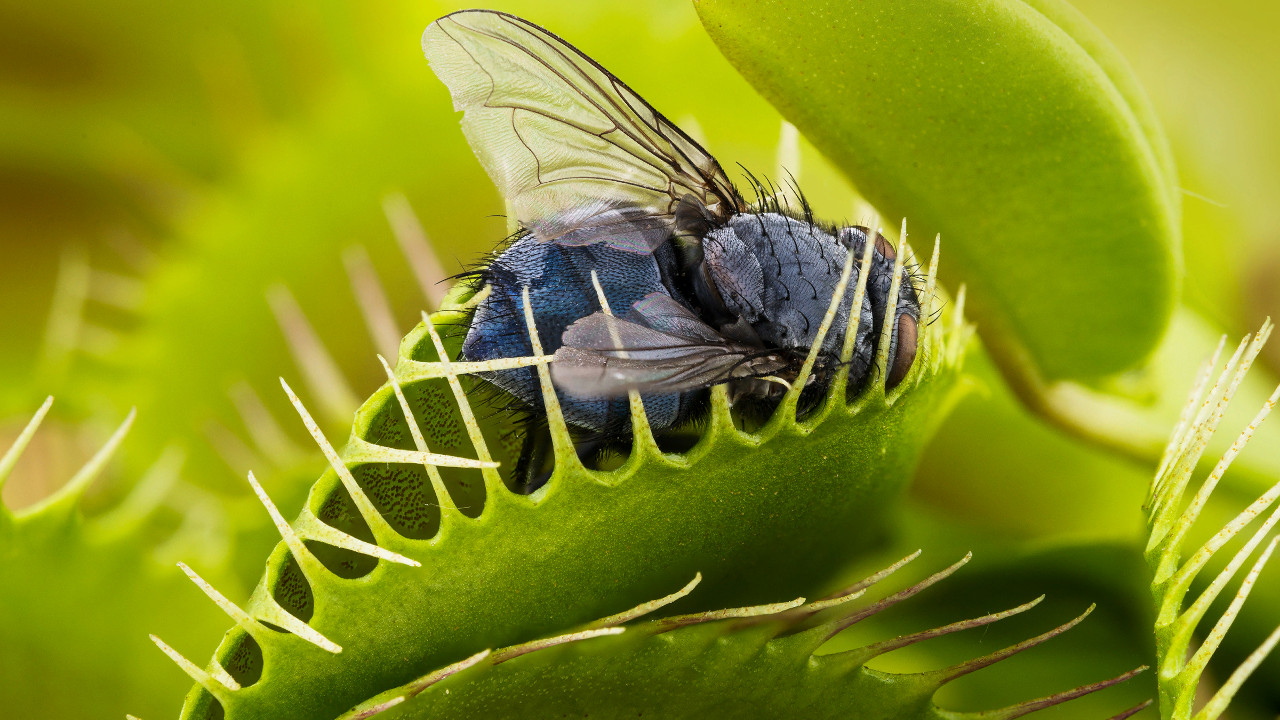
{"x": 454, "y": 563}
{"x": 402, "y": 571}
{"x": 1171, "y": 520}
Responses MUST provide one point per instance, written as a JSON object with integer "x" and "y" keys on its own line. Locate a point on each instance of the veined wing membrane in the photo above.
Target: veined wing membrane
{"x": 581, "y": 157}
{"x": 659, "y": 347}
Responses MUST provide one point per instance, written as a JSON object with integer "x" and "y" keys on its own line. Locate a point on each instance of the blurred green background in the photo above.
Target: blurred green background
{"x": 164, "y": 166}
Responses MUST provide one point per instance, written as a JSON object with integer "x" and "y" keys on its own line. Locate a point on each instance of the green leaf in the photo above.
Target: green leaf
{"x": 1010, "y": 128}
{"x": 758, "y": 514}
{"x": 765, "y": 661}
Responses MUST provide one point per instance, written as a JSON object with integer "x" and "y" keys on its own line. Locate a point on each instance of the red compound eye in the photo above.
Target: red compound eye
{"x": 905, "y": 354}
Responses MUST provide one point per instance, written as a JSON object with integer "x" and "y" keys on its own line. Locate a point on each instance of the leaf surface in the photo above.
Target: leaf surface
{"x": 1011, "y": 128}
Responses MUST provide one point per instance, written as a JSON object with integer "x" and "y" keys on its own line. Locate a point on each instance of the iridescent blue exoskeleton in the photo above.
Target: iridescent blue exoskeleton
{"x": 704, "y": 289}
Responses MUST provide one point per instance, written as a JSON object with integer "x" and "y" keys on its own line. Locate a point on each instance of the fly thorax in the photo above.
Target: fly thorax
{"x": 797, "y": 266}
{"x": 729, "y": 281}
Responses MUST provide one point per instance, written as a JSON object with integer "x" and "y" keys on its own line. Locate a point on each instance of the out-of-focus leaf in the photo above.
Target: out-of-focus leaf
{"x": 1014, "y": 132}
{"x": 79, "y": 595}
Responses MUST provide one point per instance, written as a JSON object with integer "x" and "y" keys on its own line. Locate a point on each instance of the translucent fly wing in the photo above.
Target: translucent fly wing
{"x": 579, "y": 155}
{"x": 660, "y": 347}
{"x": 590, "y": 365}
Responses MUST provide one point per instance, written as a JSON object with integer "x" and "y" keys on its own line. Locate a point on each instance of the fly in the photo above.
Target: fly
{"x": 704, "y": 288}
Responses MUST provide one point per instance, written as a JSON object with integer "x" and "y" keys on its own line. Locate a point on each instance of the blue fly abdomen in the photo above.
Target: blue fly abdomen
{"x": 561, "y": 292}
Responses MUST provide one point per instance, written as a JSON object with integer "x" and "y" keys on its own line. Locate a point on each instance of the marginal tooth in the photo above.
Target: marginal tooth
{"x": 1170, "y": 525}
{"x": 10, "y": 458}
{"x": 222, "y": 676}
{"x": 267, "y": 434}
{"x": 1206, "y": 422}
{"x": 646, "y": 608}
{"x": 891, "y": 310}
{"x": 641, "y": 433}
{"x": 492, "y": 480}
{"x": 67, "y": 311}
{"x": 855, "y": 310}
{"x": 1026, "y": 708}
{"x": 1187, "y": 621}
{"x": 1218, "y": 703}
{"x": 833, "y": 307}
{"x": 241, "y": 618}
{"x": 416, "y": 248}
{"x": 372, "y": 299}
{"x": 332, "y": 536}
{"x": 857, "y": 589}
{"x": 120, "y": 291}
{"x": 430, "y": 679}
{"x": 287, "y": 533}
{"x": 1200, "y": 659}
{"x": 1183, "y": 426}
{"x": 322, "y": 533}
{"x": 362, "y": 451}
{"x": 217, "y": 682}
{"x": 290, "y": 622}
{"x": 721, "y": 419}
{"x": 319, "y": 368}
{"x": 1214, "y": 405}
{"x": 752, "y": 611}
{"x": 506, "y": 654}
{"x": 68, "y": 495}
{"x": 902, "y": 641}
{"x": 1133, "y": 710}
{"x": 561, "y": 443}
{"x": 374, "y": 709}
{"x": 429, "y": 371}
{"x": 837, "y": 626}
{"x": 604, "y": 306}
{"x": 946, "y": 675}
{"x": 420, "y": 442}
{"x": 282, "y": 617}
{"x": 98, "y": 341}
{"x": 931, "y": 305}
{"x": 365, "y": 506}
{"x": 1193, "y": 509}
{"x": 230, "y": 448}
{"x": 931, "y": 278}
